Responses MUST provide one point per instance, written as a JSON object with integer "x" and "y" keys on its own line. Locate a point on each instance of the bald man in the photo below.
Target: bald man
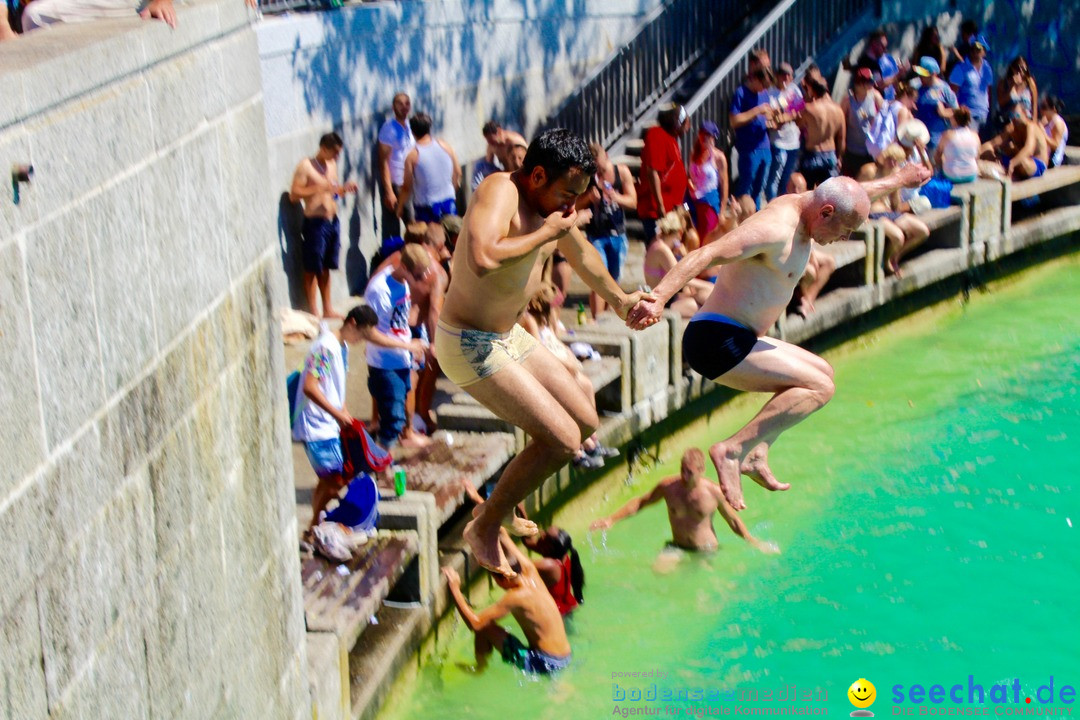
{"x": 763, "y": 259}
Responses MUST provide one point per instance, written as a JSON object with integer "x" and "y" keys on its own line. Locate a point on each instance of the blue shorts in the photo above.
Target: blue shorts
{"x": 753, "y": 172}
{"x": 434, "y": 212}
{"x": 613, "y": 249}
{"x": 322, "y": 244}
{"x": 529, "y": 659}
{"x": 325, "y": 456}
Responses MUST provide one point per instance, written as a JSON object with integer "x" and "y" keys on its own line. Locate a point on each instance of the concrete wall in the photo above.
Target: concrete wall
{"x": 462, "y": 61}
{"x": 146, "y": 494}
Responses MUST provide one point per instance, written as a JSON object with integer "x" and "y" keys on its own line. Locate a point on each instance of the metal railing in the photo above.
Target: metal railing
{"x": 794, "y": 32}
{"x": 673, "y": 37}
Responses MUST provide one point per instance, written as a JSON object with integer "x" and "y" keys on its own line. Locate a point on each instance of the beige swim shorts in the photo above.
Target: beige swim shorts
{"x": 468, "y": 356}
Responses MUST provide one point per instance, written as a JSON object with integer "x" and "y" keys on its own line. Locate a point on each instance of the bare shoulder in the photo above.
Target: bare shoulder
{"x": 497, "y": 188}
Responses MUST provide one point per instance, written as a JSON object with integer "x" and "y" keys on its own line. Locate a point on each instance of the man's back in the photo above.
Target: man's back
{"x": 822, "y": 120}
{"x": 536, "y": 613}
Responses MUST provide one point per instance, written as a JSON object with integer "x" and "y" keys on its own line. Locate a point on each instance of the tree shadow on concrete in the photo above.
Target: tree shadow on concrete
{"x": 443, "y": 55}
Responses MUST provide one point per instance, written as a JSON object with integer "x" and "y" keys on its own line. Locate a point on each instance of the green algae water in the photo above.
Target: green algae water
{"x": 931, "y": 537}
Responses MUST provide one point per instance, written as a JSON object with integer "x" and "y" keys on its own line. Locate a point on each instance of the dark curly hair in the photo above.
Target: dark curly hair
{"x": 558, "y": 151}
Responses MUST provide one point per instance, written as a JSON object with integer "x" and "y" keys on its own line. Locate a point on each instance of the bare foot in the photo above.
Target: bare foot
{"x": 756, "y": 467}
{"x": 726, "y": 461}
{"x": 415, "y": 440}
{"x": 521, "y": 527}
{"x": 332, "y": 314}
{"x": 806, "y": 306}
{"x": 516, "y": 525}
{"x": 485, "y": 546}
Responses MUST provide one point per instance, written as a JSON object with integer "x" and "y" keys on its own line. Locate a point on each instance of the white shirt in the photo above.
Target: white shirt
{"x": 391, "y": 301}
{"x": 400, "y": 139}
{"x": 328, "y": 361}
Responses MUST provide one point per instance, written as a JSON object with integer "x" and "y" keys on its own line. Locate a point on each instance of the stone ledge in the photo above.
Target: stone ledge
{"x": 61, "y": 63}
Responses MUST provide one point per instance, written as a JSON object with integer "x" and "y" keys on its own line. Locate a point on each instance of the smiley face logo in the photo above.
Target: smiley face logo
{"x": 862, "y": 694}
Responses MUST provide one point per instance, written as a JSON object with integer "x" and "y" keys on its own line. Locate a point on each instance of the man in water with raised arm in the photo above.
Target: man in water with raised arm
{"x": 763, "y": 260}
{"x": 692, "y": 499}
{"x": 514, "y": 223}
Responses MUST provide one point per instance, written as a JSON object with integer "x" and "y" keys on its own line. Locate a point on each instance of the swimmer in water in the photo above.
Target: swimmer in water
{"x": 691, "y": 500}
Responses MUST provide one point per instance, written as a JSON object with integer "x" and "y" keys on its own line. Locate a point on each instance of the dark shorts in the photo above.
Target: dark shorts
{"x": 818, "y": 166}
{"x": 434, "y": 213}
{"x": 529, "y": 659}
{"x": 322, "y": 244}
{"x": 714, "y": 343}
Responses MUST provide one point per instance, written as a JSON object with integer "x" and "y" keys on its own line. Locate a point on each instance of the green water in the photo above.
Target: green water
{"x": 932, "y": 532}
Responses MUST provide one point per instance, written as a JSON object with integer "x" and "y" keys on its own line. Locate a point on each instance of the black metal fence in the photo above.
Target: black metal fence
{"x": 794, "y": 31}
{"x": 674, "y": 36}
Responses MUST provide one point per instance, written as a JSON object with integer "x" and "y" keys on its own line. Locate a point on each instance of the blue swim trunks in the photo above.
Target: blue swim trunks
{"x": 322, "y": 244}
{"x": 531, "y": 660}
{"x": 325, "y": 456}
{"x": 434, "y": 212}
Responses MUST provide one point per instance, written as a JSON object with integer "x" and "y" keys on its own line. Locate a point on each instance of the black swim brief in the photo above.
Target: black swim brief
{"x": 714, "y": 343}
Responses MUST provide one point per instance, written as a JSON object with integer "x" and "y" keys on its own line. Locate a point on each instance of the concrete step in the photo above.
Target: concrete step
{"x": 342, "y": 598}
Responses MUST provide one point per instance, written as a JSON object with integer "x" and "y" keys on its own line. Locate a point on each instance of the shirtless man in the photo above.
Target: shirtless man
{"x": 1021, "y": 147}
{"x": 513, "y": 225}
{"x": 691, "y": 500}
{"x": 763, "y": 260}
{"x": 534, "y": 609}
{"x": 823, "y": 124}
{"x": 315, "y": 182}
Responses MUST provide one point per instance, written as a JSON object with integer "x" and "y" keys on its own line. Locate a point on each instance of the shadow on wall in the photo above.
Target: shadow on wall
{"x": 290, "y": 221}
{"x": 446, "y": 55}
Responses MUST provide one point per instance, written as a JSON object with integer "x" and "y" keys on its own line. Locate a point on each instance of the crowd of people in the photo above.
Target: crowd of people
{"x": 477, "y": 298}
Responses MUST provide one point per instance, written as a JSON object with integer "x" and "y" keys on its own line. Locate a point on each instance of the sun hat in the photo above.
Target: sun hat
{"x": 912, "y": 132}
{"x": 927, "y": 66}
{"x": 979, "y": 41}
{"x": 864, "y": 73}
{"x": 709, "y": 127}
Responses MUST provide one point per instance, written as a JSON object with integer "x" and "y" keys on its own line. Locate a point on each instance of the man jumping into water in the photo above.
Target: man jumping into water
{"x": 692, "y": 500}
{"x": 764, "y": 259}
{"x": 514, "y": 223}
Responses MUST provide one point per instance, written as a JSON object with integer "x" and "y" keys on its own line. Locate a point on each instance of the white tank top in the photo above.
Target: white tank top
{"x": 705, "y": 177}
{"x": 433, "y": 177}
{"x": 959, "y": 158}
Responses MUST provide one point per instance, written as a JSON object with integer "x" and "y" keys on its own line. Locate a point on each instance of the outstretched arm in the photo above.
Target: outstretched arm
{"x": 737, "y": 525}
{"x": 745, "y": 241}
{"x": 587, "y": 263}
{"x": 475, "y": 621}
{"x": 630, "y": 508}
{"x": 910, "y": 176}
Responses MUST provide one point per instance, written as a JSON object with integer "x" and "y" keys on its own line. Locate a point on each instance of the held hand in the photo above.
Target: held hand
{"x": 160, "y": 10}
{"x": 914, "y": 175}
{"x": 646, "y": 313}
{"x": 349, "y": 187}
{"x": 560, "y": 222}
{"x": 601, "y": 524}
{"x": 344, "y": 419}
{"x": 451, "y": 576}
{"x": 417, "y": 347}
{"x": 630, "y": 301}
